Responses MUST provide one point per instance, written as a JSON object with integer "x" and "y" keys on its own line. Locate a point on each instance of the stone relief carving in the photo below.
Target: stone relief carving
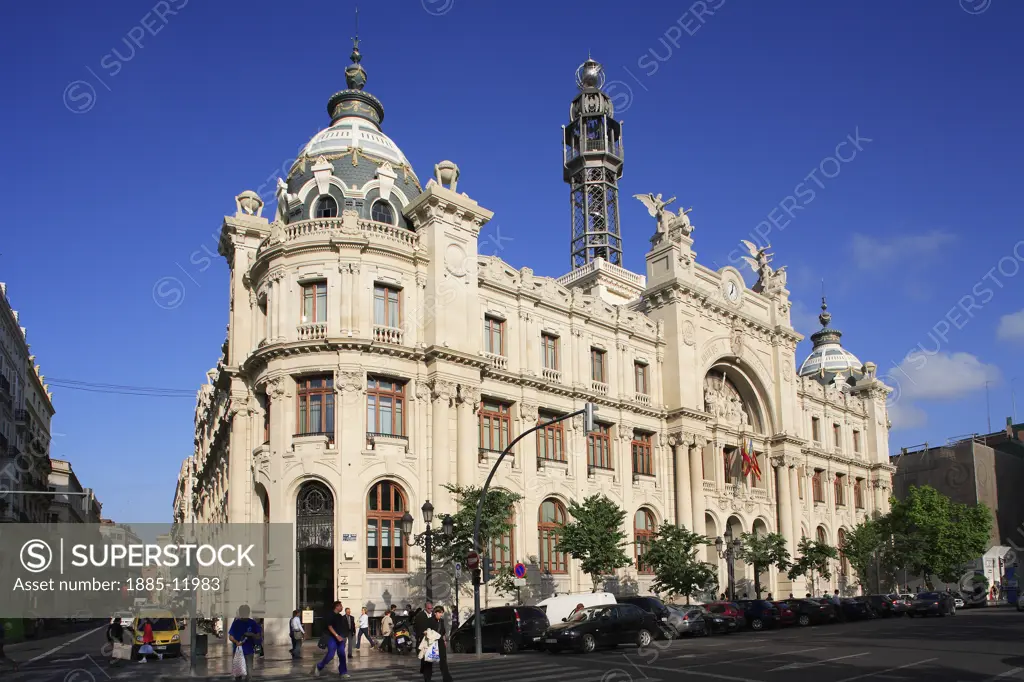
{"x": 577, "y": 422}
{"x": 351, "y": 381}
{"x": 667, "y": 220}
{"x": 769, "y": 280}
{"x": 736, "y": 340}
{"x": 443, "y": 390}
{"x": 468, "y": 395}
{"x": 249, "y": 203}
{"x": 422, "y": 390}
{"x": 723, "y": 401}
{"x": 689, "y": 333}
{"x": 284, "y": 200}
{"x": 528, "y": 412}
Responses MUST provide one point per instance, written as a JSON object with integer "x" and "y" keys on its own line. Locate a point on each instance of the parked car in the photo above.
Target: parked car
{"x": 958, "y": 600}
{"x": 856, "y": 609}
{"x": 503, "y": 628}
{"x": 759, "y": 613}
{"x": 728, "y": 609}
{"x": 933, "y": 603}
{"x": 787, "y": 616}
{"x": 656, "y": 608}
{"x": 599, "y": 626}
{"x": 827, "y": 603}
{"x": 559, "y": 608}
{"x": 900, "y": 604}
{"x": 811, "y": 611}
{"x": 880, "y": 604}
{"x": 125, "y": 617}
{"x": 166, "y": 632}
{"x": 689, "y": 620}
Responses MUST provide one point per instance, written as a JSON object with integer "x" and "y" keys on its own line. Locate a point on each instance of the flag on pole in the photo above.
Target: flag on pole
{"x": 750, "y": 465}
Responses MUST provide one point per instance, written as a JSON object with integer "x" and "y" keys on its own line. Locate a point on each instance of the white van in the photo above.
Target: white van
{"x": 558, "y": 608}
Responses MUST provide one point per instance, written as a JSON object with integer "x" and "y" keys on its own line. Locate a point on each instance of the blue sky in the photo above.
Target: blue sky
{"x": 121, "y": 166}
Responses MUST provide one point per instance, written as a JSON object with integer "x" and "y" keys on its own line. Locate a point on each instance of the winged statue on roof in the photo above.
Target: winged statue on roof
{"x": 769, "y": 280}
{"x": 667, "y": 219}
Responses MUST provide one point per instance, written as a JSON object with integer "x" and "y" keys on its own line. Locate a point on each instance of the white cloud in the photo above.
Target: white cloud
{"x": 876, "y": 253}
{"x": 942, "y": 376}
{"x": 803, "y": 319}
{"x": 1011, "y": 327}
{"x": 906, "y": 416}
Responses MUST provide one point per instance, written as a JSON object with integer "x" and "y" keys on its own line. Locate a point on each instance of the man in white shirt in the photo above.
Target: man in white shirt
{"x": 364, "y": 629}
{"x": 296, "y": 632}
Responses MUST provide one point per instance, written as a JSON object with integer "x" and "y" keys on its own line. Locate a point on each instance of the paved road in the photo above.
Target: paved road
{"x": 975, "y": 646}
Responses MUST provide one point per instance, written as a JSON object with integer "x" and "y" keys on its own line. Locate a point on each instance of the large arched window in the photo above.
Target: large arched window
{"x": 502, "y": 550}
{"x": 821, "y": 536}
{"x": 385, "y": 505}
{"x": 844, "y": 565}
{"x": 326, "y": 207}
{"x": 643, "y": 533}
{"x": 551, "y": 518}
{"x": 382, "y": 212}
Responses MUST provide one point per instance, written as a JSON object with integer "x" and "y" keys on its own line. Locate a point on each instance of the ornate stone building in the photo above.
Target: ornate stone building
{"x": 374, "y": 356}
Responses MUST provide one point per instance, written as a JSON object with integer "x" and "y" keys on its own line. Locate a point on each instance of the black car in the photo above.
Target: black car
{"x": 505, "y": 628}
{"x": 719, "y": 623}
{"x": 656, "y": 608}
{"x": 933, "y": 604}
{"x": 829, "y": 606}
{"x": 811, "y": 612}
{"x": 599, "y": 626}
{"x": 760, "y": 613}
{"x": 854, "y": 609}
{"x": 881, "y": 604}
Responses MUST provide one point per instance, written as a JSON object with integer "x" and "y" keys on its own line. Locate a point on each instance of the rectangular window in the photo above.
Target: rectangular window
{"x": 549, "y": 347}
{"x": 858, "y": 493}
{"x": 816, "y": 429}
{"x": 494, "y": 335}
{"x": 642, "y": 461}
{"x": 385, "y": 407}
{"x": 599, "y": 447}
{"x": 837, "y": 436}
{"x": 551, "y": 439}
{"x": 800, "y": 482}
{"x": 856, "y": 440}
{"x": 314, "y": 302}
{"x": 817, "y": 489}
{"x": 495, "y": 424}
{"x": 839, "y": 489}
{"x": 597, "y": 368}
{"x": 315, "y": 397}
{"x": 729, "y": 456}
{"x": 387, "y": 311}
{"x": 266, "y": 419}
{"x": 640, "y": 373}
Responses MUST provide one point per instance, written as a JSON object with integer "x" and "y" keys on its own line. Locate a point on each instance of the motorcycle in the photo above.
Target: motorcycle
{"x": 402, "y": 634}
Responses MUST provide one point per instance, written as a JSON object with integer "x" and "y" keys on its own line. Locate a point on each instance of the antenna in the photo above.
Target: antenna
{"x": 355, "y": 40}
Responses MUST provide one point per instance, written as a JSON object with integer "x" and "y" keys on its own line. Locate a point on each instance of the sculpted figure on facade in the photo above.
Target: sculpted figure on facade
{"x": 283, "y": 201}
{"x": 723, "y": 402}
{"x": 769, "y": 280}
{"x": 667, "y": 220}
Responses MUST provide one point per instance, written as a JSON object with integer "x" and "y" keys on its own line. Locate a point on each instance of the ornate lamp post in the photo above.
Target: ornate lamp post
{"x": 727, "y": 550}
{"x": 424, "y": 539}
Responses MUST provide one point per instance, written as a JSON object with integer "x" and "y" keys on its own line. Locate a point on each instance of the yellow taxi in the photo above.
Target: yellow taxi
{"x": 166, "y": 632}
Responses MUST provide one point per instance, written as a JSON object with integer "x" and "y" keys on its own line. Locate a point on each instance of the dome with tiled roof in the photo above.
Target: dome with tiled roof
{"x": 828, "y": 359}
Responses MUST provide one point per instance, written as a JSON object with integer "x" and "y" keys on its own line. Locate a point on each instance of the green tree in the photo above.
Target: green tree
{"x": 814, "y": 560}
{"x": 595, "y": 537}
{"x": 865, "y": 546}
{"x": 761, "y": 552}
{"x": 672, "y": 555}
{"x": 495, "y": 523}
{"x": 934, "y": 536}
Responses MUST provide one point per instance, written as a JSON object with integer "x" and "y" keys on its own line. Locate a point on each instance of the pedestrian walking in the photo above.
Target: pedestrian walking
{"x": 770, "y": 597}
{"x": 147, "y": 642}
{"x": 115, "y": 635}
{"x": 247, "y": 634}
{"x": 838, "y": 602}
{"x": 334, "y": 641}
{"x": 434, "y": 635}
{"x": 421, "y": 620}
{"x": 351, "y": 630}
{"x": 386, "y": 627}
{"x": 364, "y": 629}
{"x": 297, "y": 634}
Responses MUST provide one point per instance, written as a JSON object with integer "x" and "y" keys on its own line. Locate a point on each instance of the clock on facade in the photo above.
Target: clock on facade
{"x": 732, "y": 291}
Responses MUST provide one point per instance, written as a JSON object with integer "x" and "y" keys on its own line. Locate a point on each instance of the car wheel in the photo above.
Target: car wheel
{"x": 509, "y": 646}
{"x": 457, "y": 646}
{"x": 756, "y": 624}
{"x": 804, "y": 620}
{"x": 643, "y": 638}
{"x": 589, "y": 644}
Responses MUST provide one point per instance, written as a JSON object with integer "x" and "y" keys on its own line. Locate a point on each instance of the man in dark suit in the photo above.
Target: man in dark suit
{"x": 351, "y": 630}
{"x": 421, "y": 621}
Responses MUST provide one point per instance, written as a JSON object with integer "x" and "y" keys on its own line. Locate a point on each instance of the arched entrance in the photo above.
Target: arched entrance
{"x": 314, "y": 546}
{"x": 764, "y": 578}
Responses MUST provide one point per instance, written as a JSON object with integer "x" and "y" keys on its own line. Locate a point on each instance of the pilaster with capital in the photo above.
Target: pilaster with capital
{"x": 468, "y": 402}
{"x": 442, "y": 394}
{"x": 785, "y": 493}
{"x": 350, "y": 386}
{"x": 695, "y": 457}
{"x": 681, "y": 470}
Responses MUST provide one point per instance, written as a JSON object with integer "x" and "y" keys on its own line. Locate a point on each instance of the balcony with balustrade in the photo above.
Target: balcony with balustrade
{"x": 385, "y": 334}
{"x": 552, "y": 375}
{"x": 496, "y": 361}
{"x": 599, "y": 387}
{"x": 312, "y": 331}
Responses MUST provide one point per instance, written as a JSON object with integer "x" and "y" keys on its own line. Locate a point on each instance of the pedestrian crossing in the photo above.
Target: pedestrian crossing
{"x": 540, "y": 668}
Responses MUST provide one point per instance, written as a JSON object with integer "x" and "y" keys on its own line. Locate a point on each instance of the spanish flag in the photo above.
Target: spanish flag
{"x": 750, "y": 464}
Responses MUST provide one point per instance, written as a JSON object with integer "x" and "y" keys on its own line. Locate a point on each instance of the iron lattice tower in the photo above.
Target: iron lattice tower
{"x": 592, "y": 165}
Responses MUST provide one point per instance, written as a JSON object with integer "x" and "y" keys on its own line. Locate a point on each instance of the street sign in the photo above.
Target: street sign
{"x": 520, "y": 570}
{"x": 472, "y": 559}
{"x": 458, "y": 569}
{"x": 519, "y": 582}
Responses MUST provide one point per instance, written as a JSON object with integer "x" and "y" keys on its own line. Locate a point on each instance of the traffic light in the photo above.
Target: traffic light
{"x": 486, "y": 561}
{"x": 588, "y": 417}
{"x": 476, "y": 576}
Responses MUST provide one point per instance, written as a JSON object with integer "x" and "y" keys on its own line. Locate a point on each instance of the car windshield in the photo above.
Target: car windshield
{"x": 592, "y": 613}
{"x": 160, "y": 624}
{"x": 928, "y": 595}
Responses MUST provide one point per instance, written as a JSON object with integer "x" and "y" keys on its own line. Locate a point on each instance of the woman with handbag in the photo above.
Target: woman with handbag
{"x": 432, "y": 647}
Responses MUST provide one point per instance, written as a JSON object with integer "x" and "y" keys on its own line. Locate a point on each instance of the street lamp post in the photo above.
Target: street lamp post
{"x": 425, "y": 539}
{"x": 727, "y": 550}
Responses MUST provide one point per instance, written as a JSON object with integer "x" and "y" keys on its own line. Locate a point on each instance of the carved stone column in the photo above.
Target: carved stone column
{"x": 238, "y": 472}
{"x": 350, "y": 413}
{"x": 344, "y": 303}
{"x": 468, "y": 435}
{"x": 785, "y": 526}
{"x": 796, "y": 508}
{"x": 684, "y": 508}
{"x": 440, "y": 454}
{"x": 696, "y": 463}
{"x": 357, "y": 299}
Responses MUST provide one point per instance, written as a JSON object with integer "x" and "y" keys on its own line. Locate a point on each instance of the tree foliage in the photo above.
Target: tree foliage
{"x": 672, "y": 555}
{"x": 495, "y": 523}
{"x": 595, "y": 537}
{"x": 866, "y": 547}
{"x": 762, "y": 552}
{"x": 814, "y": 560}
